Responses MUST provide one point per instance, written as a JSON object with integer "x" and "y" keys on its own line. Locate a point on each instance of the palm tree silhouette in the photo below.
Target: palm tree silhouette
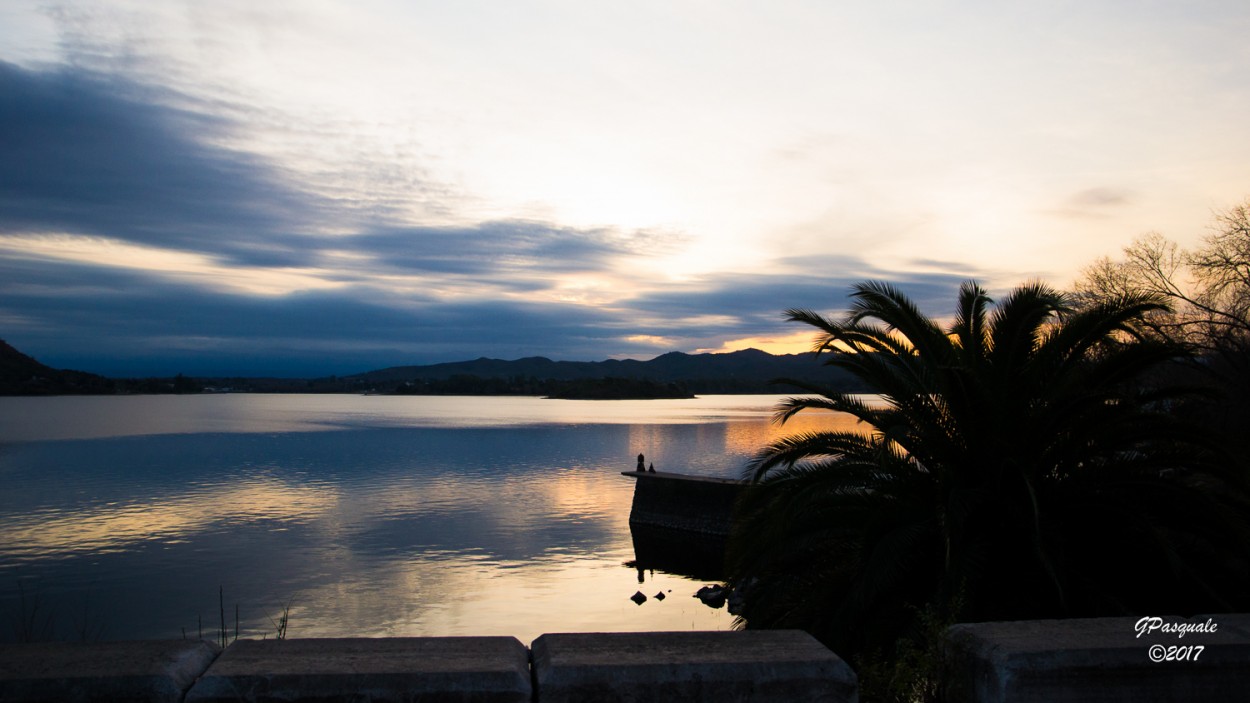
{"x": 1021, "y": 463}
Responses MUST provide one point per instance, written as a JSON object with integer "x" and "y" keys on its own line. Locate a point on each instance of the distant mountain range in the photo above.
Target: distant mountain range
{"x": 746, "y": 371}
{"x": 670, "y": 375}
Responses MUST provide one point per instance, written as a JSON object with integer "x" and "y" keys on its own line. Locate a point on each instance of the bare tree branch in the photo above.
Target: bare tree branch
{"x": 1209, "y": 287}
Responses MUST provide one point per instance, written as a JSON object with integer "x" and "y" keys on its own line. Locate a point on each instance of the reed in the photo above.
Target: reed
{"x": 280, "y": 625}
{"x": 223, "y": 637}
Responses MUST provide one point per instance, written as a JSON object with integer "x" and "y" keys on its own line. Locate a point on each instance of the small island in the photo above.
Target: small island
{"x": 619, "y": 389}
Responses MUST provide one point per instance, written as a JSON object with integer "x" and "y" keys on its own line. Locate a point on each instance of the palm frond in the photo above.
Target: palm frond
{"x": 970, "y": 321}
{"x": 1021, "y": 462}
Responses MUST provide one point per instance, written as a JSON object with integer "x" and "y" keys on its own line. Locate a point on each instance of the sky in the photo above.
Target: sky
{"x": 313, "y": 187}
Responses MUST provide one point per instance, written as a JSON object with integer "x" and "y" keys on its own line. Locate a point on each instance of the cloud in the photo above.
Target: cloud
{"x": 107, "y": 191}
{"x": 129, "y": 322}
{"x": 495, "y": 248}
{"x": 98, "y": 155}
{"x": 95, "y": 154}
{"x": 756, "y": 297}
{"x": 132, "y": 321}
{"x": 134, "y": 240}
{"x": 706, "y": 313}
{"x": 1101, "y": 197}
{"x": 1095, "y": 203}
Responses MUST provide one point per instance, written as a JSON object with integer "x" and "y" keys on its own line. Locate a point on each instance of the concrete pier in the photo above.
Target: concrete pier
{"x": 677, "y": 502}
{"x": 681, "y": 524}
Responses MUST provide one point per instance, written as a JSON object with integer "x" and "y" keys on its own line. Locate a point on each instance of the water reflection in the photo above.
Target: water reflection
{"x": 111, "y": 527}
{"x": 91, "y": 417}
{"x": 386, "y": 529}
{"x": 698, "y": 557}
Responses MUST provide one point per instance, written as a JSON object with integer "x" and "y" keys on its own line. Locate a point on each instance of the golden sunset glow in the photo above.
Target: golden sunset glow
{"x": 795, "y": 343}
{"x": 418, "y": 172}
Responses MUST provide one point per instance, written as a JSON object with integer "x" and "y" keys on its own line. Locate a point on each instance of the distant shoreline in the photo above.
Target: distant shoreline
{"x": 669, "y": 376}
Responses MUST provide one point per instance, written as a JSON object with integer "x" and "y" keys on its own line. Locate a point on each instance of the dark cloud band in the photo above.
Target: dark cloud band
{"x": 93, "y": 155}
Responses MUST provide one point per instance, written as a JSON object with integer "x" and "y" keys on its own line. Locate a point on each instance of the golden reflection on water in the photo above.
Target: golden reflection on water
{"x": 389, "y": 533}
{"x": 568, "y": 495}
{"x": 574, "y": 496}
{"x": 750, "y": 437}
{"x": 467, "y": 596}
{"x": 107, "y": 528}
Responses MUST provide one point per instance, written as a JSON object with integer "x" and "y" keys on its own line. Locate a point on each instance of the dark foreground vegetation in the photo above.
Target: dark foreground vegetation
{"x": 1051, "y": 455}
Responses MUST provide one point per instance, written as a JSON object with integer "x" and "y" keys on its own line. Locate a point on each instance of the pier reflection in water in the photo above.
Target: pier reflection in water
{"x": 694, "y": 556}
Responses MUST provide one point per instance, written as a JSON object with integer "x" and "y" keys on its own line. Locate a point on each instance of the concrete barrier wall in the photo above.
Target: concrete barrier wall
{"x": 494, "y": 669}
{"x": 159, "y": 672}
{"x": 781, "y": 665}
{"x": 1156, "y": 658}
{"x": 1163, "y": 658}
{"x": 681, "y": 666}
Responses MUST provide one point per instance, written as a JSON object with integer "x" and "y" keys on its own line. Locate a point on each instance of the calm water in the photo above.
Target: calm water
{"x": 121, "y": 517}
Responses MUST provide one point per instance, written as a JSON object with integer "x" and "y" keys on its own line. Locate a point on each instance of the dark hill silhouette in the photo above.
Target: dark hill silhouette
{"x": 23, "y": 375}
{"x": 674, "y": 374}
{"x": 746, "y": 371}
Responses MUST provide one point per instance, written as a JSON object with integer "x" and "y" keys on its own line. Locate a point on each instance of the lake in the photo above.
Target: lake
{"x": 124, "y": 517}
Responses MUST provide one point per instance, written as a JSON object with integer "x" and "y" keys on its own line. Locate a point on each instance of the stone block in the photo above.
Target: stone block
{"x": 429, "y": 669}
{"x": 1098, "y": 659}
{"x": 755, "y": 665}
{"x": 90, "y": 672}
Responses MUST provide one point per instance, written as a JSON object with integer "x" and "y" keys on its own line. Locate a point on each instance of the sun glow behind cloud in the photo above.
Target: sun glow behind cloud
{"x": 625, "y": 169}
{"x": 796, "y": 343}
